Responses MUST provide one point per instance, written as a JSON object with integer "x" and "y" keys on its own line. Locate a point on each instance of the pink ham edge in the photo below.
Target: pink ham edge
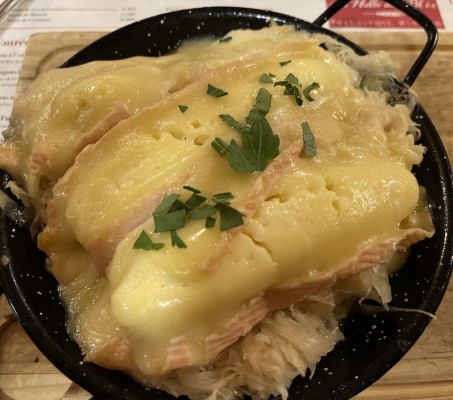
{"x": 116, "y": 115}
{"x": 292, "y": 292}
{"x": 250, "y": 314}
{"x": 255, "y": 310}
{"x": 39, "y": 158}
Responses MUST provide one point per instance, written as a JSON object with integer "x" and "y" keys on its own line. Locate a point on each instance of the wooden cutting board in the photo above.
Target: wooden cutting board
{"x": 425, "y": 372}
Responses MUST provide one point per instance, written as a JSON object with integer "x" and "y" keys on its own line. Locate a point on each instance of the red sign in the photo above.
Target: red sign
{"x": 378, "y": 14}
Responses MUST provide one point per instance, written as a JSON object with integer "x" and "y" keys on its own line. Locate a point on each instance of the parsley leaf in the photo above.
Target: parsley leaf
{"x": 223, "y": 198}
{"x": 173, "y": 214}
{"x": 170, "y": 214}
{"x": 191, "y": 189}
{"x": 291, "y": 85}
{"x": 144, "y": 242}
{"x": 195, "y": 200}
{"x": 267, "y": 78}
{"x": 215, "y": 92}
{"x": 283, "y": 63}
{"x": 220, "y": 146}
{"x": 238, "y": 160}
{"x": 259, "y": 110}
{"x": 309, "y": 140}
{"x": 210, "y": 222}
{"x": 241, "y": 128}
{"x": 259, "y": 144}
{"x": 297, "y": 97}
{"x": 308, "y": 90}
{"x": 183, "y": 108}
{"x": 261, "y": 107}
{"x": 166, "y": 204}
{"x": 292, "y": 79}
{"x": 204, "y": 212}
{"x": 229, "y": 217}
{"x": 176, "y": 240}
{"x": 170, "y": 221}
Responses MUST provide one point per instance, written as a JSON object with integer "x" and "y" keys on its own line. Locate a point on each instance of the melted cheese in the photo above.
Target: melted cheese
{"x": 308, "y": 221}
{"x": 285, "y": 240}
{"x": 160, "y": 149}
{"x": 66, "y": 109}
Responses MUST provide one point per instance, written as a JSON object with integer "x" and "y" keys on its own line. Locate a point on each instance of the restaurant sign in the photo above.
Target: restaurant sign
{"x": 378, "y": 14}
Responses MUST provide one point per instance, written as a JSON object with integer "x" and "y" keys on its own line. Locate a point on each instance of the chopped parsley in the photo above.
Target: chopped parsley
{"x": 173, "y": 214}
{"x": 261, "y": 107}
{"x": 215, "y": 92}
{"x": 259, "y": 143}
{"x": 195, "y": 200}
{"x": 309, "y": 140}
{"x": 292, "y": 85}
{"x": 144, "y": 242}
{"x": 220, "y": 146}
{"x": 223, "y": 198}
{"x": 241, "y": 128}
{"x": 207, "y": 211}
{"x": 170, "y": 220}
{"x": 183, "y": 108}
{"x": 259, "y": 146}
{"x": 283, "y": 63}
{"x": 176, "y": 240}
{"x": 169, "y": 216}
{"x": 309, "y": 89}
{"x": 267, "y": 78}
{"x": 167, "y": 204}
{"x": 229, "y": 216}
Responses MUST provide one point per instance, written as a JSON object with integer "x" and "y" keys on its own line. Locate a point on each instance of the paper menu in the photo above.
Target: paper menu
{"x": 105, "y": 15}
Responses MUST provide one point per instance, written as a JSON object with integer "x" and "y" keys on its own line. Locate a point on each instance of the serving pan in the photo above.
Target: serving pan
{"x": 374, "y": 342}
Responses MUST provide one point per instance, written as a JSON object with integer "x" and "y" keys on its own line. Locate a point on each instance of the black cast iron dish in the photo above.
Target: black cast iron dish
{"x": 374, "y": 342}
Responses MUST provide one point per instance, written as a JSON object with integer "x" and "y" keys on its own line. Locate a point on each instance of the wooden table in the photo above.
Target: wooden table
{"x": 425, "y": 372}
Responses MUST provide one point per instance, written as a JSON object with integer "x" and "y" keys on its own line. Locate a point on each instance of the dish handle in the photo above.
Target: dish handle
{"x": 412, "y": 12}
